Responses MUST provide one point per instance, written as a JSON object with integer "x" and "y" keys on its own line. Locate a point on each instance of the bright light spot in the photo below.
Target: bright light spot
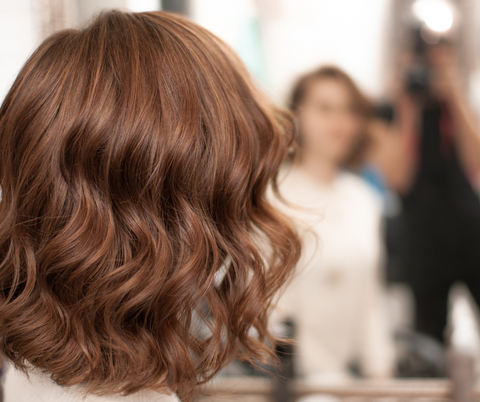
{"x": 437, "y": 14}
{"x": 143, "y": 5}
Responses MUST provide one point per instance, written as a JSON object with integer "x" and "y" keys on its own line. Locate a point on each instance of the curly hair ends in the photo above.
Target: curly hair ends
{"x": 134, "y": 159}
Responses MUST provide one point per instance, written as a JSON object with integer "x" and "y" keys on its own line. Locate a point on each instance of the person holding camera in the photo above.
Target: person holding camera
{"x": 431, "y": 157}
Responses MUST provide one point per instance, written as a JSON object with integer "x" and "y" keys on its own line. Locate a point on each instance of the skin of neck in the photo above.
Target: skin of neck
{"x": 322, "y": 168}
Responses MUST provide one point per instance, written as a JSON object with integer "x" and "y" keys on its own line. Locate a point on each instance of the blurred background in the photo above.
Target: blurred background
{"x": 426, "y": 188}
{"x": 278, "y": 39}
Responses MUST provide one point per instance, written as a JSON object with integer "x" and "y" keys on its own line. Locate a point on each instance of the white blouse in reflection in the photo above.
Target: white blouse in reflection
{"x": 336, "y": 300}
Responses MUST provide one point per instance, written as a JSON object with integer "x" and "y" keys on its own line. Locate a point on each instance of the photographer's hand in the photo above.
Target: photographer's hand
{"x": 446, "y": 79}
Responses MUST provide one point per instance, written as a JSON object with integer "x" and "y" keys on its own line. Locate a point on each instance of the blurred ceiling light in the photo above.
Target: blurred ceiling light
{"x": 436, "y": 14}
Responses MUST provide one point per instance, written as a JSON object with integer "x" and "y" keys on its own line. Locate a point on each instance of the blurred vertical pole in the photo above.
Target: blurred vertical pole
{"x": 469, "y": 48}
{"x": 461, "y": 367}
{"x": 283, "y": 370}
{"x": 176, "y": 6}
{"x": 467, "y": 42}
{"x": 463, "y": 339}
{"x": 400, "y": 36}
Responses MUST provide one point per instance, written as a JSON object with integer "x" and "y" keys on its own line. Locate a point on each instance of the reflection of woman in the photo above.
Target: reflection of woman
{"x": 336, "y": 300}
{"x": 134, "y": 157}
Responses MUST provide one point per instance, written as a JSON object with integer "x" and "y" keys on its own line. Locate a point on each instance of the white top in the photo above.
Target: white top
{"x": 336, "y": 299}
{"x": 39, "y": 388}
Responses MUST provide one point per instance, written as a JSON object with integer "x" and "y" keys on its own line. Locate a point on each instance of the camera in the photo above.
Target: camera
{"x": 418, "y": 75}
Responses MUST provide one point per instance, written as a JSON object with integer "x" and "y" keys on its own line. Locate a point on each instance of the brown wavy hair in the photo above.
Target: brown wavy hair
{"x": 362, "y": 105}
{"x": 137, "y": 248}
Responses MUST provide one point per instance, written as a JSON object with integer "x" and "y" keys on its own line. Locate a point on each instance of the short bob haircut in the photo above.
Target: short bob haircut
{"x": 137, "y": 248}
{"x": 362, "y": 105}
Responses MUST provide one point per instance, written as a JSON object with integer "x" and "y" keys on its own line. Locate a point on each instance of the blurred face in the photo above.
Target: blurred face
{"x": 329, "y": 124}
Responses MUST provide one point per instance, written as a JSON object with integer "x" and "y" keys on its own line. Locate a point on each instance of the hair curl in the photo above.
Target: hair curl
{"x": 134, "y": 159}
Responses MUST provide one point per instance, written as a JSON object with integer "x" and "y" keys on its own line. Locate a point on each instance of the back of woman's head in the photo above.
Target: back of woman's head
{"x": 137, "y": 250}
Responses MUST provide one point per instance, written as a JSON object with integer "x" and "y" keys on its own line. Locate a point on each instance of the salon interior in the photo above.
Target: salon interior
{"x": 385, "y": 95}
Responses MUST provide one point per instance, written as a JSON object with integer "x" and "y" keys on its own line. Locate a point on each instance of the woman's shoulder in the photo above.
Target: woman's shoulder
{"x": 350, "y": 181}
{"x": 358, "y": 189}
